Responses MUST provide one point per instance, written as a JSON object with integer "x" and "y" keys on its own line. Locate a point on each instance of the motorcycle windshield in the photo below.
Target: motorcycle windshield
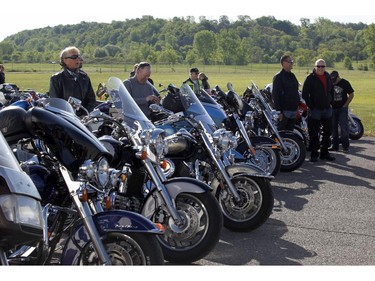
{"x": 7, "y": 158}
{"x": 125, "y": 105}
{"x": 11, "y": 174}
{"x": 194, "y": 108}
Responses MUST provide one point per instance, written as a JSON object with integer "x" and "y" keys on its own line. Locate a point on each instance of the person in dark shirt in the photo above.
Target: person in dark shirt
{"x": 317, "y": 91}
{"x": 285, "y": 94}
{"x": 72, "y": 81}
{"x": 2, "y": 74}
{"x": 343, "y": 94}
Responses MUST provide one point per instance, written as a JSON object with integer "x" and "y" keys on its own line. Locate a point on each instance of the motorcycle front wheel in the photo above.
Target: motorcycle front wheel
{"x": 295, "y": 155}
{"x": 356, "y": 129}
{"x": 266, "y": 158}
{"x": 126, "y": 249}
{"x": 255, "y": 205}
{"x": 199, "y": 233}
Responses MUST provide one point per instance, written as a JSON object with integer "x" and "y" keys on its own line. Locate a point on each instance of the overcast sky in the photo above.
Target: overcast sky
{"x": 18, "y": 15}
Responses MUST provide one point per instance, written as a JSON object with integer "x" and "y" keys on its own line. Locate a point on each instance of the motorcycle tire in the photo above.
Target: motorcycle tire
{"x": 296, "y": 154}
{"x": 203, "y": 223}
{"x": 268, "y": 159}
{"x": 126, "y": 249}
{"x": 255, "y": 205}
{"x": 356, "y": 130}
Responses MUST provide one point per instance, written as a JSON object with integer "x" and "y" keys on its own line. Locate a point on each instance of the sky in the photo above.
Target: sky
{"x": 19, "y": 15}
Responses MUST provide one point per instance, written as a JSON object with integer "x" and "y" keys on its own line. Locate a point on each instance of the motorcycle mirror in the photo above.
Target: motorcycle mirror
{"x": 230, "y": 86}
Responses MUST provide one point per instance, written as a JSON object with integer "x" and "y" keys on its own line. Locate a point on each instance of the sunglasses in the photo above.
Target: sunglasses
{"x": 320, "y": 66}
{"x": 74, "y": 57}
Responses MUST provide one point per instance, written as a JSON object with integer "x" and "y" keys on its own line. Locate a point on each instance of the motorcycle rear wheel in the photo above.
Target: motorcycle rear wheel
{"x": 356, "y": 130}
{"x": 126, "y": 249}
{"x": 203, "y": 223}
{"x": 255, "y": 206}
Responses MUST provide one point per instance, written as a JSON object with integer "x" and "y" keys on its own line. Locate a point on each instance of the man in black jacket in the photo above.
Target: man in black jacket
{"x": 285, "y": 94}
{"x": 72, "y": 81}
{"x": 317, "y": 91}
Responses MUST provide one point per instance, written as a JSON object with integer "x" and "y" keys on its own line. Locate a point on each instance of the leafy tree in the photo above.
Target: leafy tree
{"x": 205, "y": 45}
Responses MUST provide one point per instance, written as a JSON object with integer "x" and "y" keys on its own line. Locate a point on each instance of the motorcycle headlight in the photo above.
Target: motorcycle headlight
{"x": 155, "y": 140}
{"x": 96, "y": 171}
{"x": 21, "y": 209}
{"x": 224, "y": 139}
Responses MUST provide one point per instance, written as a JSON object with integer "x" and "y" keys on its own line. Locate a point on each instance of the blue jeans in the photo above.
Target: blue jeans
{"x": 340, "y": 118}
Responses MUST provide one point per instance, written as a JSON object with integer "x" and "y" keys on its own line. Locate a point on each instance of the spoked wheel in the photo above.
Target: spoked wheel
{"x": 267, "y": 159}
{"x": 255, "y": 205}
{"x": 200, "y": 231}
{"x": 126, "y": 249}
{"x": 294, "y": 156}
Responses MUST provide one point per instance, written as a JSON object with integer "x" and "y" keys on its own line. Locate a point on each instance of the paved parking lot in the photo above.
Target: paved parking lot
{"x": 323, "y": 215}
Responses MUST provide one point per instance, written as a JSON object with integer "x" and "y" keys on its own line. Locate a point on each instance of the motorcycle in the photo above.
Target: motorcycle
{"x": 185, "y": 207}
{"x": 201, "y": 150}
{"x": 262, "y": 120}
{"x": 224, "y": 109}
{"x": 20, "y": 205}
{"x": 260, "y": 150}
{"x": 356, "y": 128}
{"x": 69, "y": 166}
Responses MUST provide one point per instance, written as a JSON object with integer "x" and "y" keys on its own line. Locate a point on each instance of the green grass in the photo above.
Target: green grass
{"x": 36, "y": 76}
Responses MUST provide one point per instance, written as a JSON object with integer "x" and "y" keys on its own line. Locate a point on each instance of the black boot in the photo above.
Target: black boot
{"x": 324, "y": 155}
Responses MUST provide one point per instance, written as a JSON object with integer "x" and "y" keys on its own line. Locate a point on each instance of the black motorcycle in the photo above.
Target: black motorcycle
{"x": 69, "y": 167}
{"x": 185, "y": 207}
{"x": 199, "y": 149}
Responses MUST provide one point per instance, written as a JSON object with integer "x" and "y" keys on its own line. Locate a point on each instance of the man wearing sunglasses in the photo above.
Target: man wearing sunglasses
{"x": 72, "y": 81}
{"x": 317, "y": 91}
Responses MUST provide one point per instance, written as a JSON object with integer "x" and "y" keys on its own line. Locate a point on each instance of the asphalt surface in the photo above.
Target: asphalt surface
{"x": 323, "y": 215}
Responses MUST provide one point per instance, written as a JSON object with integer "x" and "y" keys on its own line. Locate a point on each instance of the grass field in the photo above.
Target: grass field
{"x": 36, "y": 77}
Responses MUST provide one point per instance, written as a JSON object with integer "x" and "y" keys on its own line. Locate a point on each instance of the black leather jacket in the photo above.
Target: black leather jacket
{"x": 314, "y": 94}
{"x": 65, "y": 84}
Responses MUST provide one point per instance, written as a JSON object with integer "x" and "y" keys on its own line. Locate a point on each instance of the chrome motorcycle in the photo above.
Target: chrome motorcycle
{"x": 69, "y": 166}
{"x": 262, "y": 120}
{"x": 200, "y": 150}
{"x": 185, "y": 207}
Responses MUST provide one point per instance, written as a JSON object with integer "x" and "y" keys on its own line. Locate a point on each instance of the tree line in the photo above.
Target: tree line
{"x": 184, "y": 40}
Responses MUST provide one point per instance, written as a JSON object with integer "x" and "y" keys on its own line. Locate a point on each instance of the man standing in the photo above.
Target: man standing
{"x": 193, "y": 80}
{"x": 285, "y": 94}
{"x": 317, "y": 91}
{"x": 142, "y": 91}
{"x": 72, "y": 81}
{"x": 343, "y": 94}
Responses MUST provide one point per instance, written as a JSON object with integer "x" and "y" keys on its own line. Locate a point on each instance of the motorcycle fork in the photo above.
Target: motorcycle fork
{"x": 156, "y": 174}
{"x": 221, "y": 167}
{"x": 84, "y": 212}
{"x": 276, "y": 132}
{"x": 244, "y": 134}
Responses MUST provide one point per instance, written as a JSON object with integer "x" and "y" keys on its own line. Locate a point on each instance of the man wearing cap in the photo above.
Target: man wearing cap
{"x": 343, "y": 94}
{"x": 193, "y": 80}
{"x": 285, "y": 94}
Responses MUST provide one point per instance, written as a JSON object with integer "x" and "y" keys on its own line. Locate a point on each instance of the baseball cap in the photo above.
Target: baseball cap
{"x": 194, "y": 69}
{"x": 334, "y": 74}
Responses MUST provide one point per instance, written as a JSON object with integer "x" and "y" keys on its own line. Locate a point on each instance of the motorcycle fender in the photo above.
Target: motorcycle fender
{"x": 119, "y": 221}
{"x": 290, "y": 133}
{"x": 174, "y": 186}
{"x": 247, "y": 169}
{"x": 264, "y": 141}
